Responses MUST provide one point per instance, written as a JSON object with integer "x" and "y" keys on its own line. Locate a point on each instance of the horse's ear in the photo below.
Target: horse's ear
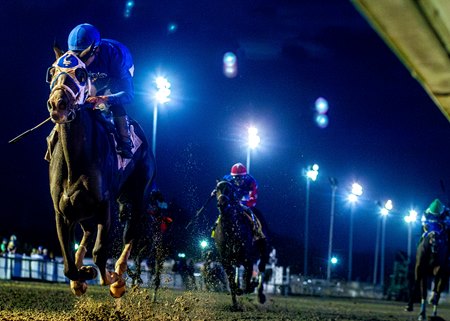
{"x": 88, "y": 52}
{"x": 58, "y": 51}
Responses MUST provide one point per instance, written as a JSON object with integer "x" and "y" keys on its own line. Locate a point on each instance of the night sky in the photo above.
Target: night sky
{"x": 384, "y": 131}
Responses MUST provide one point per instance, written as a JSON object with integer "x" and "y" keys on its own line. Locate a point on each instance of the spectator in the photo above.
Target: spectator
{"x": 12, "y": 244}
{"x": 4, "y": 246}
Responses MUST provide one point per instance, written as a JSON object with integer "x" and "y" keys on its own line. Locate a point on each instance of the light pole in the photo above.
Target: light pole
{"x": 253, "y": 142}
{"x": 357, "y": 191}
{"x": 333, "y": 182}
{"x": 384, "y": 212}
{"x": 377, "y": 249}
{"x": 410, "y": 219}
{"x": 310, "y": 174}
{"x": 161, "y": 96}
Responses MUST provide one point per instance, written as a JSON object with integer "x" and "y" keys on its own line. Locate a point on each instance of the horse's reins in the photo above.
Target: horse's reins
{"x": 77, "y": 99}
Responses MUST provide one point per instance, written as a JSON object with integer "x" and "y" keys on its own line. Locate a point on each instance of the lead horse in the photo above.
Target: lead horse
{"x": 87, "y": 177}
{"x": 431, "y": 260}
{"x": 235, "y": 245}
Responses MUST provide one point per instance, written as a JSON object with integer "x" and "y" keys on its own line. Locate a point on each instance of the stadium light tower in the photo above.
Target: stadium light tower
{"x": 310, "y": 174}
{"x": 253, "y": 142}
{"x": 161, "y": 97}
{"x": 410, "y": 219}
{"x": 388, "y": 206}
{"x": 334, "y": 184}
{"x": 356, "y": 192}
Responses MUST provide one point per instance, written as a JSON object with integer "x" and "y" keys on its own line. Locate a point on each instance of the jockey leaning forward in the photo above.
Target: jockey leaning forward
{"x": 246, "y": 189}
{"x": 111, "y": 70}
{"x": 436, "y": 218}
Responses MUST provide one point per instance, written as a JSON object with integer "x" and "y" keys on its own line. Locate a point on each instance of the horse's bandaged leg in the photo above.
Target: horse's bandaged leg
{"x": 79, "y": 256}
{"x": 121, "y": 264}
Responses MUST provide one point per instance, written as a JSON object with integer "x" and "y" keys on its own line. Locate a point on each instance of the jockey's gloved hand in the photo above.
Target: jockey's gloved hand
{"x": 213, "y": 193}
{"x": 97, "y": 100}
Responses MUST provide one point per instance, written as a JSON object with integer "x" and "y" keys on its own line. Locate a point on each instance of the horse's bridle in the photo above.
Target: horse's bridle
{"x": 79, "y": 87}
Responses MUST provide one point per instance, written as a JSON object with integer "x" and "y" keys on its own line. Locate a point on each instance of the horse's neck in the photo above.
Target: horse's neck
{"x": 77, "y": 143}
{"x": 231, "y": 216}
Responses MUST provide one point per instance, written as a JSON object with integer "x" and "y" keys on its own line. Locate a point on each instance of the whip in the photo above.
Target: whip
{"x": 17, "y": 138}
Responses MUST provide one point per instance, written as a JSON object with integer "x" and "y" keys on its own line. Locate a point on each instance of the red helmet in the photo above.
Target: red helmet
{"x": 238, "y": 169}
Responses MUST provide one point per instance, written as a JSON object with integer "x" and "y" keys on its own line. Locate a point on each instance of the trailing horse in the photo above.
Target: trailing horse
{"x": 235, "y": 243}
{"x": 431, "y": 260}
{"x": 87, "y": 177}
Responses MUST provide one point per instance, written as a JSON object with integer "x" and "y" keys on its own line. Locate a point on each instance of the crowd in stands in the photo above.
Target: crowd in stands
{"x": 11, "y": 246}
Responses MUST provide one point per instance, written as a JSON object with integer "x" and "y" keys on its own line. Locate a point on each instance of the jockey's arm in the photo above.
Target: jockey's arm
{"x": 253, "y": 194}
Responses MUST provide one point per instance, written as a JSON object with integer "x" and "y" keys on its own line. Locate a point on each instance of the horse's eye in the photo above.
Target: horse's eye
{"x": 81, "y": 75}
{"x": 50, "y": 74}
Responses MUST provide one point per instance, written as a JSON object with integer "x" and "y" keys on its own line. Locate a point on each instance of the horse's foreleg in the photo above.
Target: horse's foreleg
{"x": 86, "y": 272}
{"x": 79, "y": 287}
{"x": 159, "y": 260}
{"x": 260, "y": 288}
{"x": 231, "y": 274}
{"x": 423, "y": 301}
{"x": 117, "y": 289}
{"x": 247, "y": 277}
{"x": 65, "y": 237}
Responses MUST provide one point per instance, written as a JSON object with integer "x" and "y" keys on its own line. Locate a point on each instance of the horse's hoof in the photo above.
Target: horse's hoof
{"x": 409, "y": 308}
{"x": 118, "y": 288}
{"x": 89, "y": 272}
{"x": 262, "y": 298}
{"x": 78, "y": 287}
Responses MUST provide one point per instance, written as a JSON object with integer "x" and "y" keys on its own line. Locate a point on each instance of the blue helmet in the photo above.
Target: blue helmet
{"x": 82, "y": 36}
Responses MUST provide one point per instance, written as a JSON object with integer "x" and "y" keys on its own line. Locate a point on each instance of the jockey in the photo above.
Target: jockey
{"x": 246, "y": 189}
{"x": 158, "y": 208}
{"x": 436, "y": 216}
{"x": 111, "y": 69}
{"x": 246, "y": 185}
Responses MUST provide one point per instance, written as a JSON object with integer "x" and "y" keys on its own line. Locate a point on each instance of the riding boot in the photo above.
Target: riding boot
{"x": 124, "y": 144}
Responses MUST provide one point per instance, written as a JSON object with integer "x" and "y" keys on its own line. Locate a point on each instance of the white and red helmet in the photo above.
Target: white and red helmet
{"x": 238, "y": 169}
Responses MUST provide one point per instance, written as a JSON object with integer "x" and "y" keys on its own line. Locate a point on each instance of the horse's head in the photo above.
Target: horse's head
{"x": 69, "y": 83}
{"x": 225, "y": 194}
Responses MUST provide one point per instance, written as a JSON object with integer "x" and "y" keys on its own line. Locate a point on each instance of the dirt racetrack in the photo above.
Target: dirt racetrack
{"x": 43, "y": 301}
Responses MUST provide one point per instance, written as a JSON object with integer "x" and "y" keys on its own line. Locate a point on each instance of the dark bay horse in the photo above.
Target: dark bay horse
{"x": 235, "y": 245}
{"x": 87, "y": 177}
{"x": 431, "y": 260}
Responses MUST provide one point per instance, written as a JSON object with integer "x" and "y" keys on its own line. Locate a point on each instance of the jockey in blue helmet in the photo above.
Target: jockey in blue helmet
{"x": 111, "y": 68}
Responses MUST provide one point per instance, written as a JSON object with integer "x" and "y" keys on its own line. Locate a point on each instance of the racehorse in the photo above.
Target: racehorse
{"x": 431, "y": 259}
{"x": 235, "y": 245}
{"x": 87, "y": 176}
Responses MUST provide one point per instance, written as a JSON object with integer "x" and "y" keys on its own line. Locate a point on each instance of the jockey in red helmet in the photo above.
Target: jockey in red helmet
{"x": 247, "y": 191}
{"x": 246, "y": 185}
